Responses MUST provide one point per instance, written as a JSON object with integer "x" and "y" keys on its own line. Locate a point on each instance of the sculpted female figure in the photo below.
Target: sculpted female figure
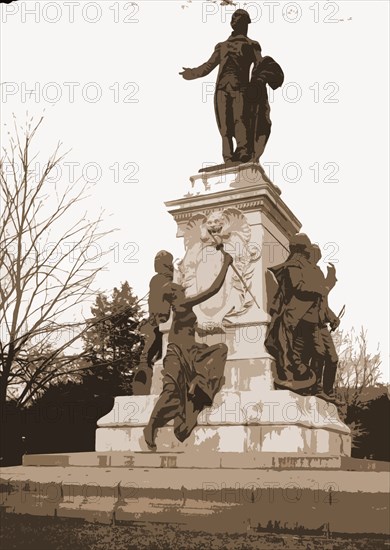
{"x": 193, "y": 372}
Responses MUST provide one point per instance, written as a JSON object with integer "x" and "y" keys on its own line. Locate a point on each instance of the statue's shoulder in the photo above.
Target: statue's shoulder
{"x": 254, "y": 43}
{"x": 158, "y": 281}
{"x": 221, "y": 44}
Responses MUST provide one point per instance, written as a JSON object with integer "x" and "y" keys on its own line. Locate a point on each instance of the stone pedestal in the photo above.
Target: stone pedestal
{"x": 248, "y": 417}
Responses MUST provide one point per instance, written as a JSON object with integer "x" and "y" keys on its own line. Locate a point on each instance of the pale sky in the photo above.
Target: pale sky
{"x": 106, "y": 77}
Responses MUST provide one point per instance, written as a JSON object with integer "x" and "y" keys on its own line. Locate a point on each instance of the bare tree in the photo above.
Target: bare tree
{"x": 46, "y": 269}
{"x": 358, "y": 368}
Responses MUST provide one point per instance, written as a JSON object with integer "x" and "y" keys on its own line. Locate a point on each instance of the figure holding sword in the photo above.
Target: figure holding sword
{"x": 325, "y": 358}
{"x": 325, "y": 364}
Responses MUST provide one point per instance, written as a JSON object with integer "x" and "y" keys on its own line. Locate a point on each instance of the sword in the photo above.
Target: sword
{"x": 342, "y": 311}
{"x": 340, "y": 315}
{"x": 238, "y": 274}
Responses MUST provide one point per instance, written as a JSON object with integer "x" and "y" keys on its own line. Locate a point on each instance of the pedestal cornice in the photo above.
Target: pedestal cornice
{"x": 248, "y": 194}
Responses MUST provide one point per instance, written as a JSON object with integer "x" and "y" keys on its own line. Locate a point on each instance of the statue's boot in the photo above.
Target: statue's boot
{"x": 317, "y": 365}
{"x": 329, "y": 377}
{"x": 303, "y": 378}
{"x": 150, "y": 435}
{"x": 328, "y": 393}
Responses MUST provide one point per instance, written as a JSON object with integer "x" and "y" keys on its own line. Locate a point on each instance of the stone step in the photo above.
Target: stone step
{"x": 183, "y": 460}
{"x": 209, "y": 500}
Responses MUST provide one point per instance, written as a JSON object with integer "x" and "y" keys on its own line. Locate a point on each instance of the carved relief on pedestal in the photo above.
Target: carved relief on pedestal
{"x": 202, "y": 263}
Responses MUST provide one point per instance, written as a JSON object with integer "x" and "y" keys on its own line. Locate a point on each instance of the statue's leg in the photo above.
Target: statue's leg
{"x": 209, "y": 366}
{"x": 222, "y": 105}
{"x": 147, "y": 329}
{"x": 331, "y": 363}
{"x": 262, "y": 129}
{"x": 302, "y": 349}
{"x": 241, "y": 127}
{"x": 170, "y": 402}
{"x": 143, "y": 371}
{"x": 317, "y": 365}
{"x": 259, "y": 146}
{"x": 155, "y": 350}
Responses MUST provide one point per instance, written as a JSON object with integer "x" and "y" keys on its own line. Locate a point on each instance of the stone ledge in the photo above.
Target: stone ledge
{"x": 273, "y": 407}
{"x": 211, "y": 440}
{"x": 208, "y": 500}
{"x": 181, "y": 459}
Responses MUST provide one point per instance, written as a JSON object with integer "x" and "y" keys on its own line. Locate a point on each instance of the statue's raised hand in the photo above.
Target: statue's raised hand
{"x": 228, "y": 259}
{"x": 186, "y": 73}
{"x": 331, "y": 276}
{"x": 331, "y": 270}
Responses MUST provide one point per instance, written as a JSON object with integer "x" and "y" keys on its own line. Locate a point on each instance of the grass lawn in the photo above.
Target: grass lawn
{"x": 43, "y": 533}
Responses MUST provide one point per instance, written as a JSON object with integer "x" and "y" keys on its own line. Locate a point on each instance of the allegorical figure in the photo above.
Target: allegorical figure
{"x": 193, "y": 372}
{"x": 325, "y": 359}
{"x": 241, "y": 103}
{"x": 293, "y": 335}
{"x": 159, "y": 311}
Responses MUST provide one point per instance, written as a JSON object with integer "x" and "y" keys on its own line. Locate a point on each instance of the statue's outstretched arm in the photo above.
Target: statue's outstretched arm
{"x": 205, "y": 69}
{"x": 215, "y": 287}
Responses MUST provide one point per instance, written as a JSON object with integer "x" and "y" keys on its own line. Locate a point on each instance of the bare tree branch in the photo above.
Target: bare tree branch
{"x": 45, "y": 268}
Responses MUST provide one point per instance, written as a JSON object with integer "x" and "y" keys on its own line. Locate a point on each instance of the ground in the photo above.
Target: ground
{"x": 37, "y": 533}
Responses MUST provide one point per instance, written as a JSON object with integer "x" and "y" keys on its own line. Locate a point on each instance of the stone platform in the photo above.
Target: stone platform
{"x": 203, "y": 499}
{"x": 239, "y": 422}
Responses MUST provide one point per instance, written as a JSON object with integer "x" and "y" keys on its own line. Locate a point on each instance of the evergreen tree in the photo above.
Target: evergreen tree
{"x": 112, "y": 341}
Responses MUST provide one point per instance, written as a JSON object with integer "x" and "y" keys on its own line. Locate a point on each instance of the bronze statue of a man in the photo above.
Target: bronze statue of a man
{"x": 241, "y": 104}
{"x": 293, "y": 335}
{"x": 159, "y": 311}
{"x": 324, "y": 358}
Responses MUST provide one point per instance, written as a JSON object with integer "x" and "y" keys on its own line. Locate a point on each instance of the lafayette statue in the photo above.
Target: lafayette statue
{"x": 241, "y": 103}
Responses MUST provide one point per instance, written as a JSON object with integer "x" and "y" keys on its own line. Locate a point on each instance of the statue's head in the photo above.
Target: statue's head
{"x": 215, "y": 223}
{"x": 163, "y": 262}
{"x": 315, "y": 254}
{"x": 300, "y": 244}
{"x": 240, "y": 20}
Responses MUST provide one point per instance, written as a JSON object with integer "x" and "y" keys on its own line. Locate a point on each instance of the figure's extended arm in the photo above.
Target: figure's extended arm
{"x": 205, "y": 69}
{"x": 215, "y": 287}
{"x": 267, "y": 71}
